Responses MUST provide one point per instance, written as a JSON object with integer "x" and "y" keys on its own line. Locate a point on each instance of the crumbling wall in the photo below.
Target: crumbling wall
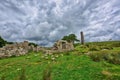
{"x": 23, "y": 48}
{"x": 64, "y": 45}
{"x": 17, "y": 49}
{"x": 61, "y": 46}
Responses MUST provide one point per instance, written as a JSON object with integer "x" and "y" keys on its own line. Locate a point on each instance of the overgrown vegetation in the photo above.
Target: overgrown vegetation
{"x": 2, "y": 78}
{"x": 106, "y": 55}
{"x": 108, "y": 51}
{"x": 104, "y": 45}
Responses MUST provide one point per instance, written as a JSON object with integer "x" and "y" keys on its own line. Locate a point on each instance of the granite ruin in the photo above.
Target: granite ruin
{"x": 22, "y": 48}
{"x": 63, "y": 45}
{"x": 17, "y": 49}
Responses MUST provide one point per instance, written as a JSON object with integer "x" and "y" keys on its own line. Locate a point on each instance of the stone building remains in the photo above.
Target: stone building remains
{"x": 23, "y": 48}
{"x": 63, "y": 45}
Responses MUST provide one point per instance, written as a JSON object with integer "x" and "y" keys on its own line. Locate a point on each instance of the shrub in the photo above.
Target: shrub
{"x": 103, "y": 45}
{"x": 106, "y": 47}
{"x": 94, "y": 48}
{"x": 81, "y": 49}
{"x": 95, "y": 56}
{"x": 3, "y": 78}
{"x": 109, "y": 56}
{"x": 116, "y": 44}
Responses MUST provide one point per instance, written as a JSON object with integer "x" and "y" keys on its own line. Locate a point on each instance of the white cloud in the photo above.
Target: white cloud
{"x": 45, "y": 21}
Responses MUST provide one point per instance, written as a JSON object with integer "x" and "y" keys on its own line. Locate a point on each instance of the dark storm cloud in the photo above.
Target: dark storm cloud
{"x": 45, "y": 21}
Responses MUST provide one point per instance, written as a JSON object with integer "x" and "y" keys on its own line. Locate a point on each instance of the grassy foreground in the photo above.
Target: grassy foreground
{"x": 64, "y": 66}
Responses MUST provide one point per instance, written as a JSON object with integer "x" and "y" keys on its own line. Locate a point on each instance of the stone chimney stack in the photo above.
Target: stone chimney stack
{"x": 82, "y": 38}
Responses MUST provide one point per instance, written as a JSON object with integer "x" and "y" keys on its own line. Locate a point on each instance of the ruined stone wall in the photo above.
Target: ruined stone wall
{"x": 17, "y": 49}
{"x": 61, "y": 46}
{"x": 23, "y": 48}
{"x": 64, "y": 45}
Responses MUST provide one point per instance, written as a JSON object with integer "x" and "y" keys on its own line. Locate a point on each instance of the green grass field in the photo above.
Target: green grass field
{"x": 73, "y": 65}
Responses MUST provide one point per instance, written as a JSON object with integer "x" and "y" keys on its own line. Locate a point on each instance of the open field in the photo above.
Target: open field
{"x": 80, "y": 64}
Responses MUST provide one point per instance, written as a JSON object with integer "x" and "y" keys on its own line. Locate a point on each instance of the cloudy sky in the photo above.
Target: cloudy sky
{"x": 45, "y": 21}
